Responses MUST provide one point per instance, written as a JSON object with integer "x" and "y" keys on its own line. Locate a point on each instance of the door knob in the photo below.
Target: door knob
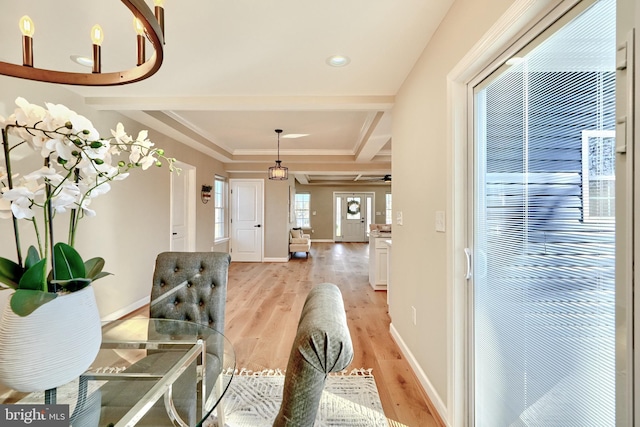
{"x": 258, "y": 225}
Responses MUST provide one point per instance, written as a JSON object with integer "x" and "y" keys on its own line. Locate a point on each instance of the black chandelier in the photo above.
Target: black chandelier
{"x": 279, "y": 172}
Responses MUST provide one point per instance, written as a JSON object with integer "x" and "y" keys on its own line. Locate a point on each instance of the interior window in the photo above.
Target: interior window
{"x": 302, "y": 206}
{"x": 220, "y": 196}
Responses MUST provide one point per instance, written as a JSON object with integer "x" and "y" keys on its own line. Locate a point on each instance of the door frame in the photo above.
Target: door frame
{"x": 189, "y": 173}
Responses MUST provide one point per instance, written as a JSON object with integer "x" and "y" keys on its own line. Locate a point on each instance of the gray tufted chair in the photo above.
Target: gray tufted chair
{"x": 322, "y": 345}
{"x": 189, "y": 286}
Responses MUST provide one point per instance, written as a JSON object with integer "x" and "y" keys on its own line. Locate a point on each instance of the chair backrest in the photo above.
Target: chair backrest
{"x": 322, "y": 345}
{"x": 191, "y": 286}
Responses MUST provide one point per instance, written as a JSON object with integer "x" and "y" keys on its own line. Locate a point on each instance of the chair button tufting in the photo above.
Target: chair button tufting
{"x": 176, "y": 302}
{"x": 201, "y": 303}
{"x": 175, "y": 269}
{"x": 189, "y": 284}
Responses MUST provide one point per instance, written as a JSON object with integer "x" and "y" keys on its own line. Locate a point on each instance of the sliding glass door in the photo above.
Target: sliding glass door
{"x": 543, "y": 230}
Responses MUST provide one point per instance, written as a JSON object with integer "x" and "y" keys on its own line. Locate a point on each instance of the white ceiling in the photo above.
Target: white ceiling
{"x": 235, "y": 70}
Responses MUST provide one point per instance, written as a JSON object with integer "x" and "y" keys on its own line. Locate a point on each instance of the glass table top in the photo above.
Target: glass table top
{"x": 151, "y": 372}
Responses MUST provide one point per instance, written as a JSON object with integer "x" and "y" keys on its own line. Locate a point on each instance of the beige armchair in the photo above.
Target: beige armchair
{"x": 299, "y": 242}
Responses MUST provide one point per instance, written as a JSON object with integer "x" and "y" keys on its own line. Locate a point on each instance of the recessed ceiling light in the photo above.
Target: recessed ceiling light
{"x": 82, "y": 60}
{"x": 338, "y": 60}
{"x": 295, "y": 135}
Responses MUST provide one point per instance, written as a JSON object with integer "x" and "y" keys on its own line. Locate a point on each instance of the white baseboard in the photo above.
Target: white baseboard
{"x": 323, "y": 240}
{"x": 126, "y": 310}
{"x": 422, "y": 377}
{"x": 275, "y": 260}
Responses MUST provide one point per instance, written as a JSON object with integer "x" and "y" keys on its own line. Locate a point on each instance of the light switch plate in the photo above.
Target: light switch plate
{"x": 440, "y": 227}
{"x": 399, "y": 217}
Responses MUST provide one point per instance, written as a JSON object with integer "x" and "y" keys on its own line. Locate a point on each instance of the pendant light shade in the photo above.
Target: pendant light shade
{"x": 279, "y": 172}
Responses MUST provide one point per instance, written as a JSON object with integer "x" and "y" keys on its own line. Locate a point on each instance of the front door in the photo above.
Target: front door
{"x": 247, "y": 219}
{"x": 353, "y": 214}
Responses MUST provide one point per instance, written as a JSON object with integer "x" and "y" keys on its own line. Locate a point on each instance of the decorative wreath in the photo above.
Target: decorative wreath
{"x": 353, "y": 207}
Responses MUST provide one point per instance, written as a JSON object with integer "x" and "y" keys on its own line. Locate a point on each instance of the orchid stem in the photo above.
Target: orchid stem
{"x": 16, "y": 231}
{"x": 49, "y": 229}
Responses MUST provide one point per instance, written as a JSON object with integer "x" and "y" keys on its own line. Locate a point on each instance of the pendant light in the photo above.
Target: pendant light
{"x": 278, "y": 172}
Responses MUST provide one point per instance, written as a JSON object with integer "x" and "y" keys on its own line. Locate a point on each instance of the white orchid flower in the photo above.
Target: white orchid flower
{"x": 47, "y": 173}
{"x": 66, "y": 198}
{"x": 141, "y": 149}
{"x": 120, "y": 135}
{"x": 21, "y": 208}
{"x": 81, "y": 125}
{"x": 85, "y": 208}
{"x": 102, "y": 188}
{"x": 58, "y": 116}
{"x": 29, "y": 114}
{"x": 21, "y": 199}
{"x": 61, "y": 148}
{"x": 101, "y": 152}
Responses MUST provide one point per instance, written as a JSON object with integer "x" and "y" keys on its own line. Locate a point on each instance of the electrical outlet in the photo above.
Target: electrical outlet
{"x": 413, "y": 313}
{"x": 399, "y": 217}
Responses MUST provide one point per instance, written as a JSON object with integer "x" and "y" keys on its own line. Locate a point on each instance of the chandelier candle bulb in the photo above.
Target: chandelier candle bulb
{"x": 28, "y": 29}
{"x": 139, "y": 28}
{"x": 159, "y": 13}
{"x": 97, "y": 37}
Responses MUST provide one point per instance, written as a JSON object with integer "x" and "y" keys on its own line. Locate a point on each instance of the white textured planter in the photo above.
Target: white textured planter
{"x": 51, "y": 346}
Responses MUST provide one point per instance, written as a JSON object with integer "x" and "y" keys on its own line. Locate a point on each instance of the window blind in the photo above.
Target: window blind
{"x": 543, "y": 290}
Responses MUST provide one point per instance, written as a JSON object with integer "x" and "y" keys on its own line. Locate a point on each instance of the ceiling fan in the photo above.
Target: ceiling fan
{"x": 385, "y": 178}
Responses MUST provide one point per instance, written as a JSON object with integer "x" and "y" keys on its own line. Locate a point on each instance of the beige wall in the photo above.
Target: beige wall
{"x": 132, "y": 222}
{"x": 322, "y": 203}
{"x": 421, "y": 169}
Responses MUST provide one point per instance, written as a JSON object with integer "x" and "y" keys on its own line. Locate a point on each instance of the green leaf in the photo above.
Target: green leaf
{"x": 68, "y": 263}
{"x": 32, "y": 257}
{"x": 101, "y": 275}
{"x": 25, "y": 301}
{"x": 34, "y": 277}
{"x": 10, "y": 273}
{"x": 93, "y": 267}
{"x": 73, "y": 285}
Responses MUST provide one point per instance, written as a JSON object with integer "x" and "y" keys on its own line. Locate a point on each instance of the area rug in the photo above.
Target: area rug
{"x": 349, "y": 399}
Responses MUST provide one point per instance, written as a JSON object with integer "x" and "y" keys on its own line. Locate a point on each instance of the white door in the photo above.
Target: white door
{"x": 353, "y": 212}
{"x": 247, "y": 219}
{"x": 183, "y": 209}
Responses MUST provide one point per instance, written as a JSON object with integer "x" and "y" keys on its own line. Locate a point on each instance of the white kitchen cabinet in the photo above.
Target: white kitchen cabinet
{"x": 378, "y": 251}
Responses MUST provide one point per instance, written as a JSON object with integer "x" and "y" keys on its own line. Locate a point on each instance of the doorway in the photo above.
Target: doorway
{"x": 183, "y": 209}
{"x": 247, "y": 219}
{"x": 353, "y": 213}
{"x": 543, "y": 284}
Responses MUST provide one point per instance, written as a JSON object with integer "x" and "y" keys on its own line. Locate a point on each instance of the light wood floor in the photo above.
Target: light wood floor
{"x": 263, "y": 306}
{"x": 264, "y": 302}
